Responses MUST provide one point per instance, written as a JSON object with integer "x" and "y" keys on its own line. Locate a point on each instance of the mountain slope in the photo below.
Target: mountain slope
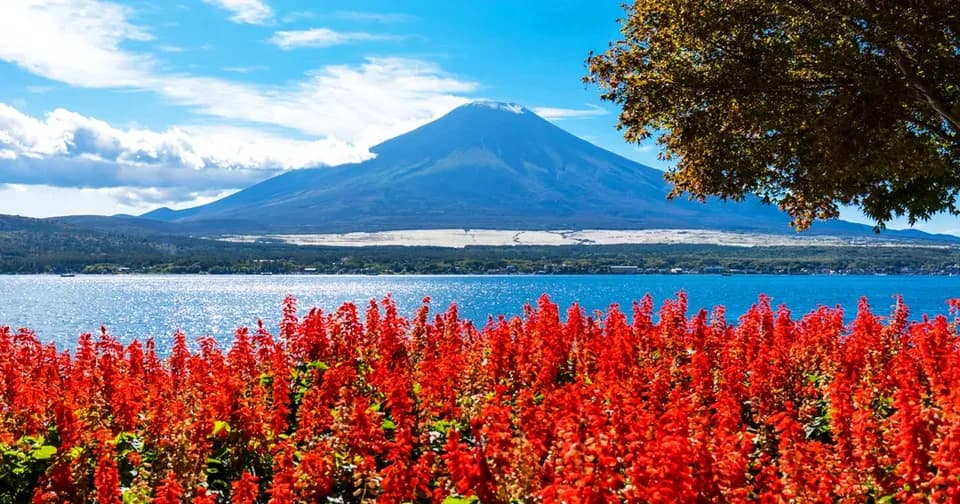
{"x": 483, "y": 165}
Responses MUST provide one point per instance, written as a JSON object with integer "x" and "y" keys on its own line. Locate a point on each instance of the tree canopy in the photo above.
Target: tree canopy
{"x": 808, "y": 104}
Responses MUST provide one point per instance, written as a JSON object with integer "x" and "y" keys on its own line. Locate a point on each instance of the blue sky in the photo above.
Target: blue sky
{"x": 123, "y": 106}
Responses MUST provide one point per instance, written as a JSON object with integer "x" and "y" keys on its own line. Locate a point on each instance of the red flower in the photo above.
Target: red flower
{"x": 245, "y": 490}
{"x": 595, "y": 408}
{"x": 169, "y": 491}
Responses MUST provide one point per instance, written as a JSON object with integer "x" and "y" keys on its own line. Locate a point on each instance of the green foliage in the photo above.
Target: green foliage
{"x": 807, "y": 104}
{"x": 230, "y": 457}
{"x": 460, "y": 500}
{"x": 20, "y": 466}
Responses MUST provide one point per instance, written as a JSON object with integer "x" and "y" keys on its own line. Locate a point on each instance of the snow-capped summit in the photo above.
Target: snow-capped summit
{"x": 503, "y": 106}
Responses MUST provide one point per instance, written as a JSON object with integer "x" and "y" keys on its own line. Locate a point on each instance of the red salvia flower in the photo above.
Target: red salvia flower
{"x": 169, "y": 491}
{"x": 245, "y": 489}
{"x": 602, "y": 407}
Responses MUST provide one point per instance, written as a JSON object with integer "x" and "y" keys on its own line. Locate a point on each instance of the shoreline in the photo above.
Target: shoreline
{"x": 491, "y": 275}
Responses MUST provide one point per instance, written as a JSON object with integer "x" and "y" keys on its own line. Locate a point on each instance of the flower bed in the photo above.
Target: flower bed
{"x": 376, "y": 407}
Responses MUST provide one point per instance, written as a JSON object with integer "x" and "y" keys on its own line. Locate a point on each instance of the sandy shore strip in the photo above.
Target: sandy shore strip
{"x": 459, "y": 238}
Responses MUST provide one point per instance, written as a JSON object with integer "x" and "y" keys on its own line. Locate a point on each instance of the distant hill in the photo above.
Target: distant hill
{"x": 485, "y": 165}
{"x": 32, "y": 245}
{"x": 74, "y": 244}
{"x": 117, "y": 224}
{"x": 54, "y": 246}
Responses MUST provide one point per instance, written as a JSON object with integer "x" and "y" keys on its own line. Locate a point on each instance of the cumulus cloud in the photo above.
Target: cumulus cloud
{"x": 82, "y": 43}
{"x": 558, "y": 114}
{"x": 334, "y": 112}
{"x": 245, "y": 11}
{"x": 322, "y": 37}
{"x": 67, "y": 149}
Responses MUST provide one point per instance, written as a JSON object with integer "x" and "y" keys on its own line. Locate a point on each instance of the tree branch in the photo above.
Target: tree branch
{"x": 929, "y": 95}
{"x": 940, "y": 132}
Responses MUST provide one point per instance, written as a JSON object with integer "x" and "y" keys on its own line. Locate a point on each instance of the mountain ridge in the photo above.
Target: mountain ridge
{"x": 483, "y": 165}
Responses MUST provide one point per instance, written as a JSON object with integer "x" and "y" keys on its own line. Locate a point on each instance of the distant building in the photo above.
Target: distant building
{"x": 624, "y": 269}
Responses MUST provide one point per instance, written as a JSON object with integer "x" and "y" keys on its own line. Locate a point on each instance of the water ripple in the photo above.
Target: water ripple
{"x": 59, "y": 309}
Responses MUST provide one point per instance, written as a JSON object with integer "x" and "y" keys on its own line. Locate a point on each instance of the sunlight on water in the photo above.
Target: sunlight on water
{"x": 59, "y": 309}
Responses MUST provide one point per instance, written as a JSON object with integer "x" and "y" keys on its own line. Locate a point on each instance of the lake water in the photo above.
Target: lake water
{"x": 131, "y": 306}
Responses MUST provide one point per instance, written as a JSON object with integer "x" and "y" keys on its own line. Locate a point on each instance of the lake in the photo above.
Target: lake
{"x": 139, "y": 306}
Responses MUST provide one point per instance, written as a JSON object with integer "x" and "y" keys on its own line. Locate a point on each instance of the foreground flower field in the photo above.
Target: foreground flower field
{"x": 352, "y": 406}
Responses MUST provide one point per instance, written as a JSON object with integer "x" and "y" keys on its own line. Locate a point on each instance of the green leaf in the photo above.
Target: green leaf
{"x": 443, "y": 426}
{"x": 456, "y": 499}
{"x": 388, "y": 424}
{"x": 220, "y": 425}
{"x": 265, "y": 380}
{"x": 44, "y": 452}
{"x": 317, "y": 365}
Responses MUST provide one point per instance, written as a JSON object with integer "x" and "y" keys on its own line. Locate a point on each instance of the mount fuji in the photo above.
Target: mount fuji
{"x": 484, "y": 165}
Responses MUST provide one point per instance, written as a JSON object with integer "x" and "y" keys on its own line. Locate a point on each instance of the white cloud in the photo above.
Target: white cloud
{"x": 375, "y": 17}
{"x": 245, "y": 69}
{"x": 342, "y": 109}
{"x": 80, "y": 42}
{"x": 245, "y": 11}
{"x": 73, "y": 41}
{"x": 558, "y": 114}
{"x": 356, "y": 16}
{"x": 169, "y": 48}
{"x": 321, "y": 37}
{"x": 70, "y": 150}
{"x": 360, "y": 104}
{"x": 152, "y": 197}
{"x": 20, "y": 199}
{"x": 297, "y": 16}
